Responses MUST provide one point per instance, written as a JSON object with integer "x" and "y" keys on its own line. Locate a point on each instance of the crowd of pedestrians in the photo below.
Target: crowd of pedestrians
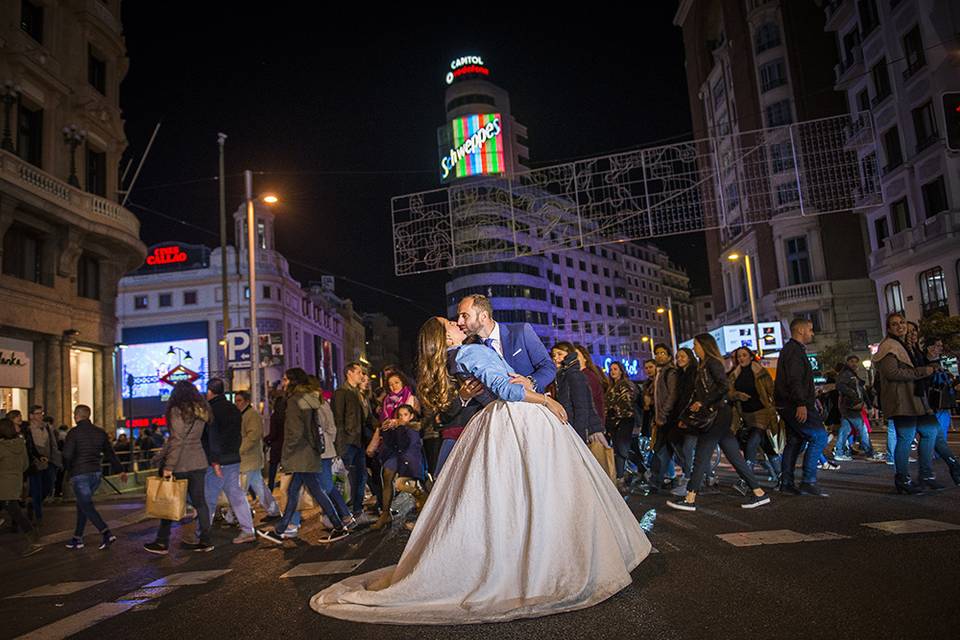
{"x": 352, "y": 452}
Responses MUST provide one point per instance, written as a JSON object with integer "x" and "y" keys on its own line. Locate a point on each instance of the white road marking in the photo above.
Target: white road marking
{"x": 778, "y": 536}
{"x": 113, "y": 525}
{"x": 920, "y": 525}
{"x": 146, "y": 593}
{"x": 59, "y": 589}
{"x": 323, "y": 568}
{"x": 78, "y": 621}
{"x": 187, "y": 578}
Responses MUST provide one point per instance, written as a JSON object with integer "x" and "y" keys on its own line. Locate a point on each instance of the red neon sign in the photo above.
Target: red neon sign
{"x": 166, "y": 255}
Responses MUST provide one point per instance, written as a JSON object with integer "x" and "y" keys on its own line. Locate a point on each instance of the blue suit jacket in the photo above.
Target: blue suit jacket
{"x": 524, "y": 352}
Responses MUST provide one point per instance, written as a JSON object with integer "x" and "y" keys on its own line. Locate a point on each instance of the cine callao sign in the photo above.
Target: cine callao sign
{"x": 475, "y": 146}
{"x": 166, "y": 255}
{"x": 466, "y": 66}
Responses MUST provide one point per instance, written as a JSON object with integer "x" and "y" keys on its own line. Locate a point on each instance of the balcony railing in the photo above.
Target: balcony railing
{"x": 854, "y": 60}
{"x": 909, "y": 242}
{"x": 91, "y": 207}
{"x": 801, "y": 292}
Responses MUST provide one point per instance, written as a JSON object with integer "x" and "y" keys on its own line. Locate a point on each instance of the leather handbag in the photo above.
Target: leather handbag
{"x": 700, "y": 420}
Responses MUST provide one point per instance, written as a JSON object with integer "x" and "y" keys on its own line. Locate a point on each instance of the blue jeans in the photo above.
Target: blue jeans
{"x": 326, "y": 482}
{"x": 236, "y": 494}
{"x": 41, "y": 487}
{"x": 850, "y": 424}
{"x": 907, "y": 428}
{"x": 445, "y": 448}
{"x": 313, "y": 484}
{"x": 254, "y": 483}
{"x": 891, "y": 439}
{"x": 355, "y": 459}
{"x": 84, "y": 486}
{"x": 813, "y": 434}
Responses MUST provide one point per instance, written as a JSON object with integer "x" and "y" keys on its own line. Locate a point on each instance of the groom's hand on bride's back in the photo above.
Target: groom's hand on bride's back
{"x": 470, "y": 389}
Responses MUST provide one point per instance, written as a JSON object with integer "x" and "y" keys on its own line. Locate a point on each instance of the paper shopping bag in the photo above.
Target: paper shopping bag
{"x": 166, "y": 498}
{"x": 604, "y": 456}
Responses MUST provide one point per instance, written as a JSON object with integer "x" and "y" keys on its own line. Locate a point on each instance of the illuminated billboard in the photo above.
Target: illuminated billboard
{"x": 471, "y": 146}
{"x": 145, "y": 364}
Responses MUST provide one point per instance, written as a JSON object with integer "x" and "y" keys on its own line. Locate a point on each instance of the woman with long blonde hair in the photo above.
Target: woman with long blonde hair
{"x": 493, "y": 541}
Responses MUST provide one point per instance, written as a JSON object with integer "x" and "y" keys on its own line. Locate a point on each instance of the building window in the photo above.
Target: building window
{"x": 891, "y": 146}
{"x": 165, "y": 300}
{"x": 869, "y": 17}
{"x": 22, "y": 249}
{"x": 882, "y": 229}
{"x": 573, "y": 304}
{"x": 893, "y": 296}
{"x": 30, "y": 135}
{"x": 596, "y": 288}
{"x": 583, "y": 266}
{"x": 813, "y": 317}
{"x": 767, "y": 37}
{"x": 900, "y": 212}
{"x": 555, "y": 258}
{"x": 773, "y": 75}
{"x": 31, "y": 19}
{"x": 96, "y": 71}
{"x": 933, "y": 291}
{"x": 88, "y": 277}
{"x": 798, "y": 261}
{"x": 571, "y": 284}
{"x": 881, "y": 81}
{"x": 787, "y": 194}
{"x": 585, "y": 306}
{"x": 863, "y": 101}
{"x": 96, "y": 167}
{"x": 913, "y": 52}
{"x": 266, "y": 292}
{"x": 718, "y": 91}
{"x": 781, "y": 154}
{"x": 189, "y": 297}
{"x": 583, "y": 286}
{"x": 869, "y": 167}
{"x": 925, "y": 126}
{"x": 569, "y": 262}
{"x": 935, "y": 197}
{"x": 779, "y": 114}
{"x": 141, "y": 302}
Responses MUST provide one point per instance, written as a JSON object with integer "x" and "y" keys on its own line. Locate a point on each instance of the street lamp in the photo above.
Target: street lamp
{"x": 74, "y": 137}
{"x": 669, "y": 311}
{"x": 182, "y": 354}
{"x": 733, "y": 257}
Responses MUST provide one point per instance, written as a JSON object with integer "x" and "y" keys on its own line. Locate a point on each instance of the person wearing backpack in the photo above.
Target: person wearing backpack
{"x": 304, "y": 444}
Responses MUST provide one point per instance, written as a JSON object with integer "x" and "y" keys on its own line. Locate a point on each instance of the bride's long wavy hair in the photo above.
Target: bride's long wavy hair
{"x": 435, "y": 387}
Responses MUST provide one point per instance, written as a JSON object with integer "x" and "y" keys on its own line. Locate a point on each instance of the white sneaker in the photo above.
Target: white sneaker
{"x": 290, "y": 533}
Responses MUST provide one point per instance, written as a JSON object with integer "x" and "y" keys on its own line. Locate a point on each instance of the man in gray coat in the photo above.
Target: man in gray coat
{"x": 349, "y": 414}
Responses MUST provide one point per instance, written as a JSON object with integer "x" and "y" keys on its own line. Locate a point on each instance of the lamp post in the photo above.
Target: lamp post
{"x": 669, "y": 311}
{"x": 74, "y": 137}
{"x": 10, "y": 94}
{"x": 753, "y": 299}
{"x": 221, "y": 139}
{"x": 182, "y": 354}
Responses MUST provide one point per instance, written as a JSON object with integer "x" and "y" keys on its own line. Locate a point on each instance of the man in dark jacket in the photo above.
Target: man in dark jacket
{"x": 851, "y": 400}
{"x": 795, "y": 397}
{"x": 82, "y": 451}
{"x": 221, "y": 442}
{"x": 349, "y": 413}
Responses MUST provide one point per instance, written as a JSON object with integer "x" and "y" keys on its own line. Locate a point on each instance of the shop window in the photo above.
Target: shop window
{"x": 82, "y": 378}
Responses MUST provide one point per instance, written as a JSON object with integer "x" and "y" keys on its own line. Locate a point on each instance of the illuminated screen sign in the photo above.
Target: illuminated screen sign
{"x": 630, "y": 365}
{"x": 471, "y": 146}
{"x": 146, "y": 365}
{"x": 466, "y": 66}
{"x": 731, "y": 337}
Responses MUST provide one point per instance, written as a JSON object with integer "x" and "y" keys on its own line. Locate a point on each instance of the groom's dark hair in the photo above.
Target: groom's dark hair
{"x": 482, "y": 303}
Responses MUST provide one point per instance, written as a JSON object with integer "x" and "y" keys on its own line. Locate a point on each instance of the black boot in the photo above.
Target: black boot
{"x": 930, "y": 484}
{"x": 954, "y": 465}
{"x": 905, "y": 485}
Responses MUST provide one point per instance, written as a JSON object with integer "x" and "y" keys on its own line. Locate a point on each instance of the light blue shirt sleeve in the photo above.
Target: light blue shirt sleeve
{"x": 488, "y": 367}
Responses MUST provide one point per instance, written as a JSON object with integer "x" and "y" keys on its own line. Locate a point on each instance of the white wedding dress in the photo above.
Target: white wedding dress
{"x": 521, "y": 523}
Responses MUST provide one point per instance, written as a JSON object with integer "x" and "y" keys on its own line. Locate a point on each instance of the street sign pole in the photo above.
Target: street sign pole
{"x": 252, "y": 277}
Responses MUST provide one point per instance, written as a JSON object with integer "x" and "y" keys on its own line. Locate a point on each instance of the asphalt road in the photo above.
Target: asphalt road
{"x": 832, "y": 577}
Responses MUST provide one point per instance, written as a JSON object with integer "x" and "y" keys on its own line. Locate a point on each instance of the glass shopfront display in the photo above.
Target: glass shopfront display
{"x": 16, "y": 374}
{"x": 82, "y": 378}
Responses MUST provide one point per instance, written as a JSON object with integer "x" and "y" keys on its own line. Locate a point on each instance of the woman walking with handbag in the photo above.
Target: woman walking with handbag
{"x": 709, "y": 416}
{"x": 621, "y": 404}
{"x": 183, "y": 458}
{"x": 751, "y": 388}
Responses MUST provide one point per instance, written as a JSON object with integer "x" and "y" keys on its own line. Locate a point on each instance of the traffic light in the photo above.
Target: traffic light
{"x": 951, "y": 119}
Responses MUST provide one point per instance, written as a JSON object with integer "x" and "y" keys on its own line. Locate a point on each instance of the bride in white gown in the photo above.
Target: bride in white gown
{"x": 521, "y": 523}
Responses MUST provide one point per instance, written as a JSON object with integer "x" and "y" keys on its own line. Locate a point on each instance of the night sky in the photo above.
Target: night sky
{"x": 339, "y": 118}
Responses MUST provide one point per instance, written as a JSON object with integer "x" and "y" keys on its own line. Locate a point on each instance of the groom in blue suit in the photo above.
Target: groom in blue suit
{"x": 517, "y": 343}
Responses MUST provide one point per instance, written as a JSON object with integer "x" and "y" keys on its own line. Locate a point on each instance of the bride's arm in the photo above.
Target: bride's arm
{"x": 486, "y": 366}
